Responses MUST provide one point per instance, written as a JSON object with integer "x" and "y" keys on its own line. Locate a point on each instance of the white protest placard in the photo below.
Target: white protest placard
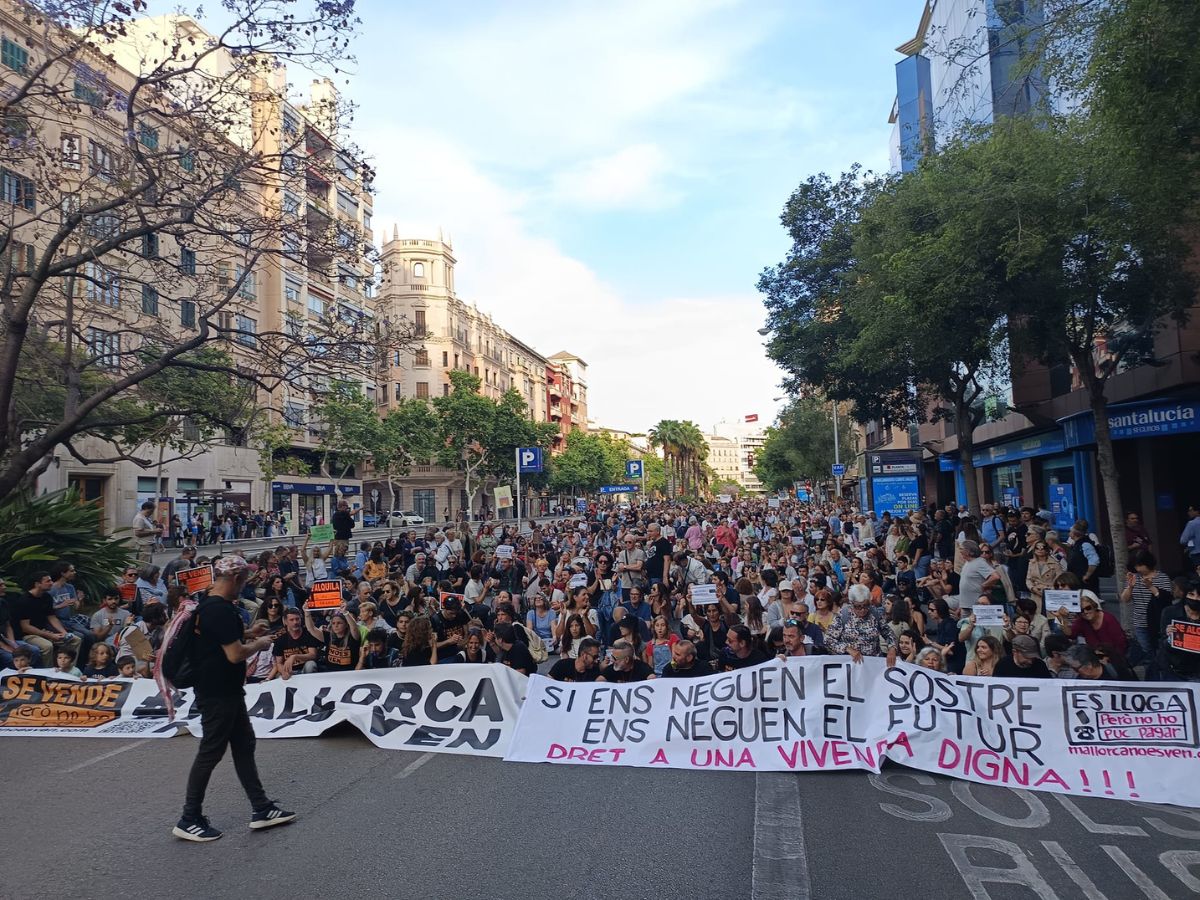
{"x": 504, "y": 551}
{"x": 725, "y": 498}
{"x": 1056, "y": 600}
{"x": 704, "y": 594}
{"x": 797, "y": 540}
{"x": 578, "y": 580}
{"x": 773, "y": 503}
{"x": 989, "y": 616}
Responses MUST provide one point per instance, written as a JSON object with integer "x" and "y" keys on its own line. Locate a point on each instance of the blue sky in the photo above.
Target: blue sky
{"x": 612, "y": 172}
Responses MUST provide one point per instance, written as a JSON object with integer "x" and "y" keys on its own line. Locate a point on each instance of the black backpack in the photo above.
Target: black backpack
{"x": 178, "y": 654}
{"x": 1108, "y": 561}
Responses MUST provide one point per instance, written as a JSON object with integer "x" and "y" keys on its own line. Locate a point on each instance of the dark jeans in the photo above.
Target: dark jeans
{"x": 225, "y": 723}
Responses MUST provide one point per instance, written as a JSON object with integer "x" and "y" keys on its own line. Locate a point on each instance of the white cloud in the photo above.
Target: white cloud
{"x": 693, "y": 358}
{"x": 630, "y": 178}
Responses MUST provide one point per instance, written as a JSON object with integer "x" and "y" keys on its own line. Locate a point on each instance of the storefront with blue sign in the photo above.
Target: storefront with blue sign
{"x": 1156, "y": 444}
{"x": 311, "y": 501}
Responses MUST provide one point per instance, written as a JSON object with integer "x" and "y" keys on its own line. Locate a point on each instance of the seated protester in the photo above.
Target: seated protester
{"x": 377, "y": 654}
{"x": 511, "y": 650}
{"x": 101, "y": 662}
{"x": 296, "y": 649}
{"x": 1024, "y": 662}
{"x": 369, "y": 619}
{"x": 127, "y": 667}
{"x": 908, "y": 645}
{"x": 795, "y": 641}
{"x": 1106, "y": 654}
{"x": 393, "y": 600}
{"x": 709, "y": 637}
{"x": 637, "y": 605}
{"x": 1088, "y": 666}
{"x": 1180, "y": 665}
{"x": 633, "y": 626}
{"x": 1091, "y": 623}
{"x": 66, "y": 605}
{"x": 626, "y": 666}
{"x": 110, "y": 618}
{"x": 684, "y": 662}
{"x": 343, "y": 643}
{"x": 932, "y": 658}
{"x": 420, "y": 644}
{"x": 741, "y": 651}
{"x": 395, "y": 639}
{"x": 476, "y": 649}
{"x": 8, "y": 640}
{"x": 36, "y": 623}
{"x": 505, "y": 613}
{"x": 450, "y": 625}
{"x": 478, "y": 609}
{"x": 22, "y": 659}
{"x": 375, "y": 569}
{"x": 863, "y": 634}
{"x": 65, "y": 663}
{"x": 1056, "y": 647}
{"x": 584, "y": 667}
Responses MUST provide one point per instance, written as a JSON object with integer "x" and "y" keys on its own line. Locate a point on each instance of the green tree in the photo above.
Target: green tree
{"x": 800, "y": 445}
{"x": 407, "y": 436}
{"x": 1097, "y": 267}
{"x": 350, "y": 430}
{"x": 479, "y": 436}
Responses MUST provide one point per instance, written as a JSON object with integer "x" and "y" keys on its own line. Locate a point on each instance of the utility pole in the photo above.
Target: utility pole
{"x": 837, "y": 452}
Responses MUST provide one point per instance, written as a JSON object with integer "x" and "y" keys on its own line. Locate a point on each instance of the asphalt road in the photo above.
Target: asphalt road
{"x": 92, "y": 817}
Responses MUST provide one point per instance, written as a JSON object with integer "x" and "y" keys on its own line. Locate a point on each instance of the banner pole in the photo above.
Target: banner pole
{"x": 517, "y": 502}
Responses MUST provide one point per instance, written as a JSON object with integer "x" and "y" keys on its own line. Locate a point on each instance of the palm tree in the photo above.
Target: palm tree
{"x": 693, "y": 449}
{"x": 668, "y": 435}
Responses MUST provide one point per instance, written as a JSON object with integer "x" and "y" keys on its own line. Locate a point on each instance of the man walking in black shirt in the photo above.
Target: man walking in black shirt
{"x": 218, "y": 657}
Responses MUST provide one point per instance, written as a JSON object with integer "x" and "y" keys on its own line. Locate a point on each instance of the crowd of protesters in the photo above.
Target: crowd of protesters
{"x": 657, "y": 590}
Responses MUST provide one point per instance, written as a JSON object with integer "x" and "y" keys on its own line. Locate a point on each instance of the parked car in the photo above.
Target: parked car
{"x": 399, "y": 519}
{"x": 370, "y": 520}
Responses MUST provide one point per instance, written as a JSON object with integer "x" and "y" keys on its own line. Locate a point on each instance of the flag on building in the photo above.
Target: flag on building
{"x": 753, "y": 417}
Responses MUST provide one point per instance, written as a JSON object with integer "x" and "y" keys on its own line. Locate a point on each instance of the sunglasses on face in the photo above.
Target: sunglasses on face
{"x": 1088, "y": 608}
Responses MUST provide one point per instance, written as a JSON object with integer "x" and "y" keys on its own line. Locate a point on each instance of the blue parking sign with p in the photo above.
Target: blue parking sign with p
{"x": 529, "y": 459}
{"x": 633, "y": 468}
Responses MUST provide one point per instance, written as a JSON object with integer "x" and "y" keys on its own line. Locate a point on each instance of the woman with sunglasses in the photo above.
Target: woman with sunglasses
{"x": 1093, "y": 624}
{"x": 1042, "y": 572}
{"x": 258, "y": 666}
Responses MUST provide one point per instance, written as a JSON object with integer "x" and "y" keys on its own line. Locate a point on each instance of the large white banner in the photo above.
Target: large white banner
{"x": 446, "y": 709}
{"x": 1114, "y": 739}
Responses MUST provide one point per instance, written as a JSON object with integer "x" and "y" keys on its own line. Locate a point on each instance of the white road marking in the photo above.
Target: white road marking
{"x": 780, "y": 866}
{"x": 103, "y": 756}
{"x": 415, "y": 764}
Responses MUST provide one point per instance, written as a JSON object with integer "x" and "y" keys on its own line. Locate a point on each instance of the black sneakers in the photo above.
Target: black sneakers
{"x": 270, "y": 816}
{"x": 197, "y": 830}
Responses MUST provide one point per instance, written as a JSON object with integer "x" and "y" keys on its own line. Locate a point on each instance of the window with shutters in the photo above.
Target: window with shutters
{"x": 421, "y": 358}
{"x": 18, "y": 190}
{"x": 187, "y": 313}
{"x": 150, "y": 246}
{"x": 247, "y": 330}
{"x": 105, "y": 346}
{"x": 419, "y": 321}
{"x": 423, "y": 390}
{"x": 101, "y": 159}
{"x": 187, "y": 261}
{"x": 149, "y": 300}
{"x": 148, "y": 137}
{"x": 72, "y": 155}
{"x": 14, "y": 56}
{"x": 103, "y": 285}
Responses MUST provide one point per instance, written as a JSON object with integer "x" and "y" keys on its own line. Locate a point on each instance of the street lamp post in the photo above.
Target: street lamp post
{"x": 837, "y": 452}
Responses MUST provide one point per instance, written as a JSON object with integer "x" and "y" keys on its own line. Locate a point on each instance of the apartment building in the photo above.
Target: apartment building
{"x": 418, "y": 285}
{"x": 745, "y": 440}
{"x": 290, "y": 241}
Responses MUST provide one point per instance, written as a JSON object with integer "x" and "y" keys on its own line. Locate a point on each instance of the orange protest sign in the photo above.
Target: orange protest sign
{"x": 195, "y": 580}
{"x": 443, "y": 595}
{"x": 1185, "y": 637}
{"x": 127, "y": 591}
{"x": 325, "y": 595}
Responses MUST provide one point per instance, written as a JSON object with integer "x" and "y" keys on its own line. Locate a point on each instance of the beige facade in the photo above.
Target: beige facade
{"x": 418, "y": 284}
{"x": 746, "y": 441}
{"x": 319, "y": 195}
